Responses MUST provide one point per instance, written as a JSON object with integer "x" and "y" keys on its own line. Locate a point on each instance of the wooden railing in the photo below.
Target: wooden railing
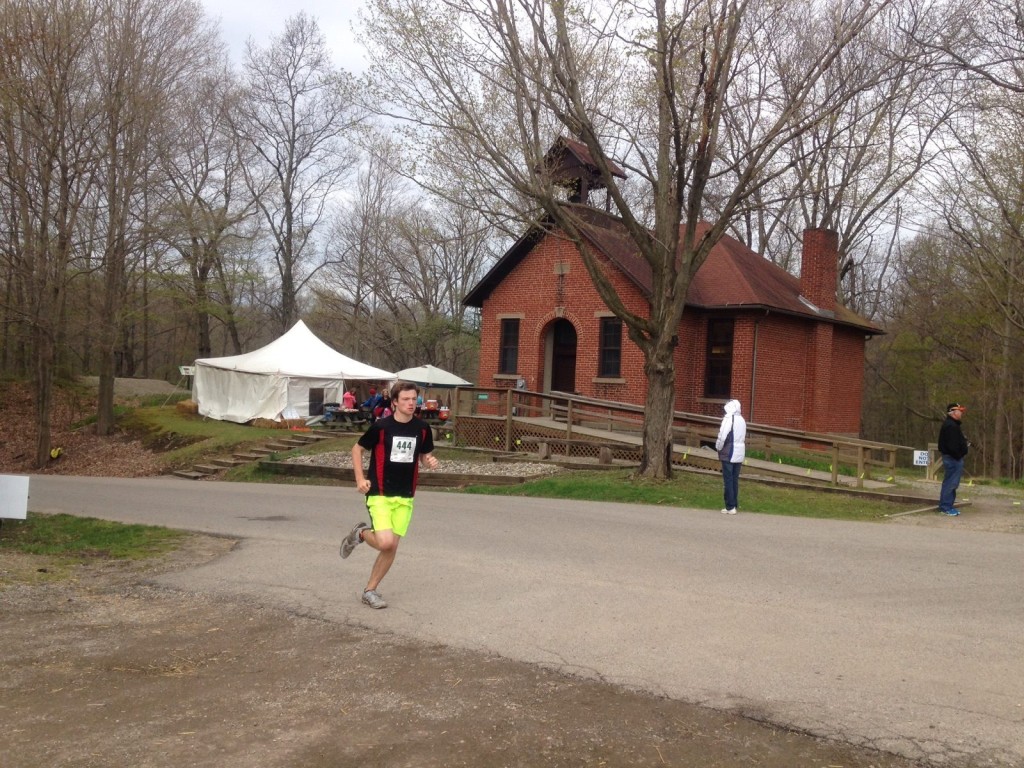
{"x": 689, "y": 429}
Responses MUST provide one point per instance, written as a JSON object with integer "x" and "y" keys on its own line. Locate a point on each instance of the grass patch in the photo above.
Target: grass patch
{"x": 697, "y": 491}
{"x": 49, "y": 548}
{"x": 184, "y": 439}
{"x": 80, "y": 539}
{"x": 158, "y": 401}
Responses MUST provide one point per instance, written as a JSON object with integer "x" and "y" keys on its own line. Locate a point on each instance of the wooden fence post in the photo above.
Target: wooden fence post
{"x": 508, "y": 421}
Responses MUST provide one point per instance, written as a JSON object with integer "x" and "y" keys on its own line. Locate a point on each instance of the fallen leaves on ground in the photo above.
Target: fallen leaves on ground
{"x": 82, "y": 451}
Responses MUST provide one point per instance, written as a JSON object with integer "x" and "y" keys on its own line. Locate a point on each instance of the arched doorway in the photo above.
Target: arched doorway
{"x": 562, "y": 362}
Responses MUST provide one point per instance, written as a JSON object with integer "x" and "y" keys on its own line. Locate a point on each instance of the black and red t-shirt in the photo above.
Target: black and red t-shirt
{"x": 395, "y": 449}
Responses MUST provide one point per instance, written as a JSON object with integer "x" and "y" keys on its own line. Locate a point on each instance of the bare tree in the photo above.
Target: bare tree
{"x": 146, "y": 53}
{"x": 400, "y": 263}
{"x": 982, "y": 199}
{"x": 359, "y": 246}
{"x": 979, "y": 40}
{"x": 48, "y": 125}
{"x": 206, "y": 211}
{"x": 856, "y": 171}
{"x": 490, "y": 84}
{"x": 296, "y": 114}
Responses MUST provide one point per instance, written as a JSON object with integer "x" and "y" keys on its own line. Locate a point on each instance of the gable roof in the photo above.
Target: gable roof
{"x": 732, "y": 277}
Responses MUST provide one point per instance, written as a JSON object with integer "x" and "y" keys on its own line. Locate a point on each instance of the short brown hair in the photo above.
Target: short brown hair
{"x": 403, "y": 386}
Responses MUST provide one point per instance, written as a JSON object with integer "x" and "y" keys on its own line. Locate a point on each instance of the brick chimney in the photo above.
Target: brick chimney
{"x": 818, "y": 265}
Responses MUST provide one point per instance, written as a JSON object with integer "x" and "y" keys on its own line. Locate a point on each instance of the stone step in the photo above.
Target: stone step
{"x": 228, "y": 462}
{"x": 189, "y": 474}
{"x": 253, "y": 455}
{"x": 283, "y": 445}
{"x": 207, "y": 469}
{"x": 307, "y": 437}
{"x": 295, "y": 442}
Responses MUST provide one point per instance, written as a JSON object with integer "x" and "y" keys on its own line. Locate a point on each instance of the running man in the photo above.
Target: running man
{"x": 397, "y": 445}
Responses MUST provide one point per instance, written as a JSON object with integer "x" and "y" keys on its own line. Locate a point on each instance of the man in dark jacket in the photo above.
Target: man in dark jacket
{"x": 953, "y": 447}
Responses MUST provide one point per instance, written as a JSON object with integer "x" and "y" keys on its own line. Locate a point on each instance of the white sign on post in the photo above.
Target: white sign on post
{"x": 187, "y": 370}
{"x": 14, "y": 496}
{"x": 921, "y": 458}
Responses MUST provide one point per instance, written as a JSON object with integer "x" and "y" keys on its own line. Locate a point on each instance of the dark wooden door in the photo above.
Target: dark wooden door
{"x": 563, "y": 357}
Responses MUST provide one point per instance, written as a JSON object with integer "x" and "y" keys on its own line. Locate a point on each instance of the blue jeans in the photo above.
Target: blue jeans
{"x": 731, "y": 480}
{"x": 953, "y": 470}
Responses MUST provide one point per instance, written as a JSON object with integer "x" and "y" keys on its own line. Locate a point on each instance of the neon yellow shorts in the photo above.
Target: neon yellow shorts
{"x": 390, "y": 513}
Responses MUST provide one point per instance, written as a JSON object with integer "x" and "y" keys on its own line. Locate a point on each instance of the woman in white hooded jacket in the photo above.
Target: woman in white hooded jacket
{"x": 731, "y": 447}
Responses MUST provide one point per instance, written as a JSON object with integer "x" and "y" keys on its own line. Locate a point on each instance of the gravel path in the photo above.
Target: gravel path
{"x": 343, "y": 460}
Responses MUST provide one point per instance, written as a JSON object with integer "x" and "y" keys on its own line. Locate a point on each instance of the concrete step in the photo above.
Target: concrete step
{"x": 283, "y": 445}
{"x": 207, "y": 469}
{"x": 253, "y": 455}
{"x": 189, "y": 474}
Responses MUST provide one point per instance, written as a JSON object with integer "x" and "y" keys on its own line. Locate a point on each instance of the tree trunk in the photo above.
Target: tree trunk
{"x": 1003, "y": 384}
{"x": 108, "y": 338}
{"x": 229, "y": 307}
{"x": 658, "y": 409}
{"x": 205, "y": 346}
{"x": 44, "y": 395}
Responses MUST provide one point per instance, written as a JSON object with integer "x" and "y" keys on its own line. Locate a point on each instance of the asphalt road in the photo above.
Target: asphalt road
{"x": 907, "y": 639}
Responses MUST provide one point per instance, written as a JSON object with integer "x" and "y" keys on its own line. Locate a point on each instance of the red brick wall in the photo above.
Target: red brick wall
{"x": 778, "y": 391}
{"x": 847, "y": 381}
{"x": 534, "y": 290}
{"x": 790, "y": 352}
{"x": 818, "y": 265}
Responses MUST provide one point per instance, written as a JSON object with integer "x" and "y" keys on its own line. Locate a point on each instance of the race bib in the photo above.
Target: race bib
{"x": 403, "y": 450}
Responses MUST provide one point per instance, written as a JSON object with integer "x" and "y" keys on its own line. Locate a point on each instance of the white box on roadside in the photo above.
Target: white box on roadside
{"x": 14, "y": 496}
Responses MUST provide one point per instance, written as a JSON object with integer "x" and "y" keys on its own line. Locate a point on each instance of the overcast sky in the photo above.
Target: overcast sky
{"x": 259, "y": 19}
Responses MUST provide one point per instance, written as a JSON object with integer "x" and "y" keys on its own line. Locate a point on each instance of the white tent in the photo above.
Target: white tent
{"x": 432, "y": 376}
{"x": 291, "y": 377}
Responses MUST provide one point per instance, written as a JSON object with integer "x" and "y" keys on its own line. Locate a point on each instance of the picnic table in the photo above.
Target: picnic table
{"x": 350, "y": 418}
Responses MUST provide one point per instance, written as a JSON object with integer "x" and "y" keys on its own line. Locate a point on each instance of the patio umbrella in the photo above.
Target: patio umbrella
{"x": 432, "y": 376}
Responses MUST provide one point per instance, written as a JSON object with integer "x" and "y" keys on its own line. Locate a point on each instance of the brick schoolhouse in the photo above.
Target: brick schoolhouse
{"x": 783, "y": 346}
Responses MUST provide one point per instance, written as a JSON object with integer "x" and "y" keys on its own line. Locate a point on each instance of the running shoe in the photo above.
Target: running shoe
{"x": 353, "y": 540}
{"x": 373, "y": 599}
